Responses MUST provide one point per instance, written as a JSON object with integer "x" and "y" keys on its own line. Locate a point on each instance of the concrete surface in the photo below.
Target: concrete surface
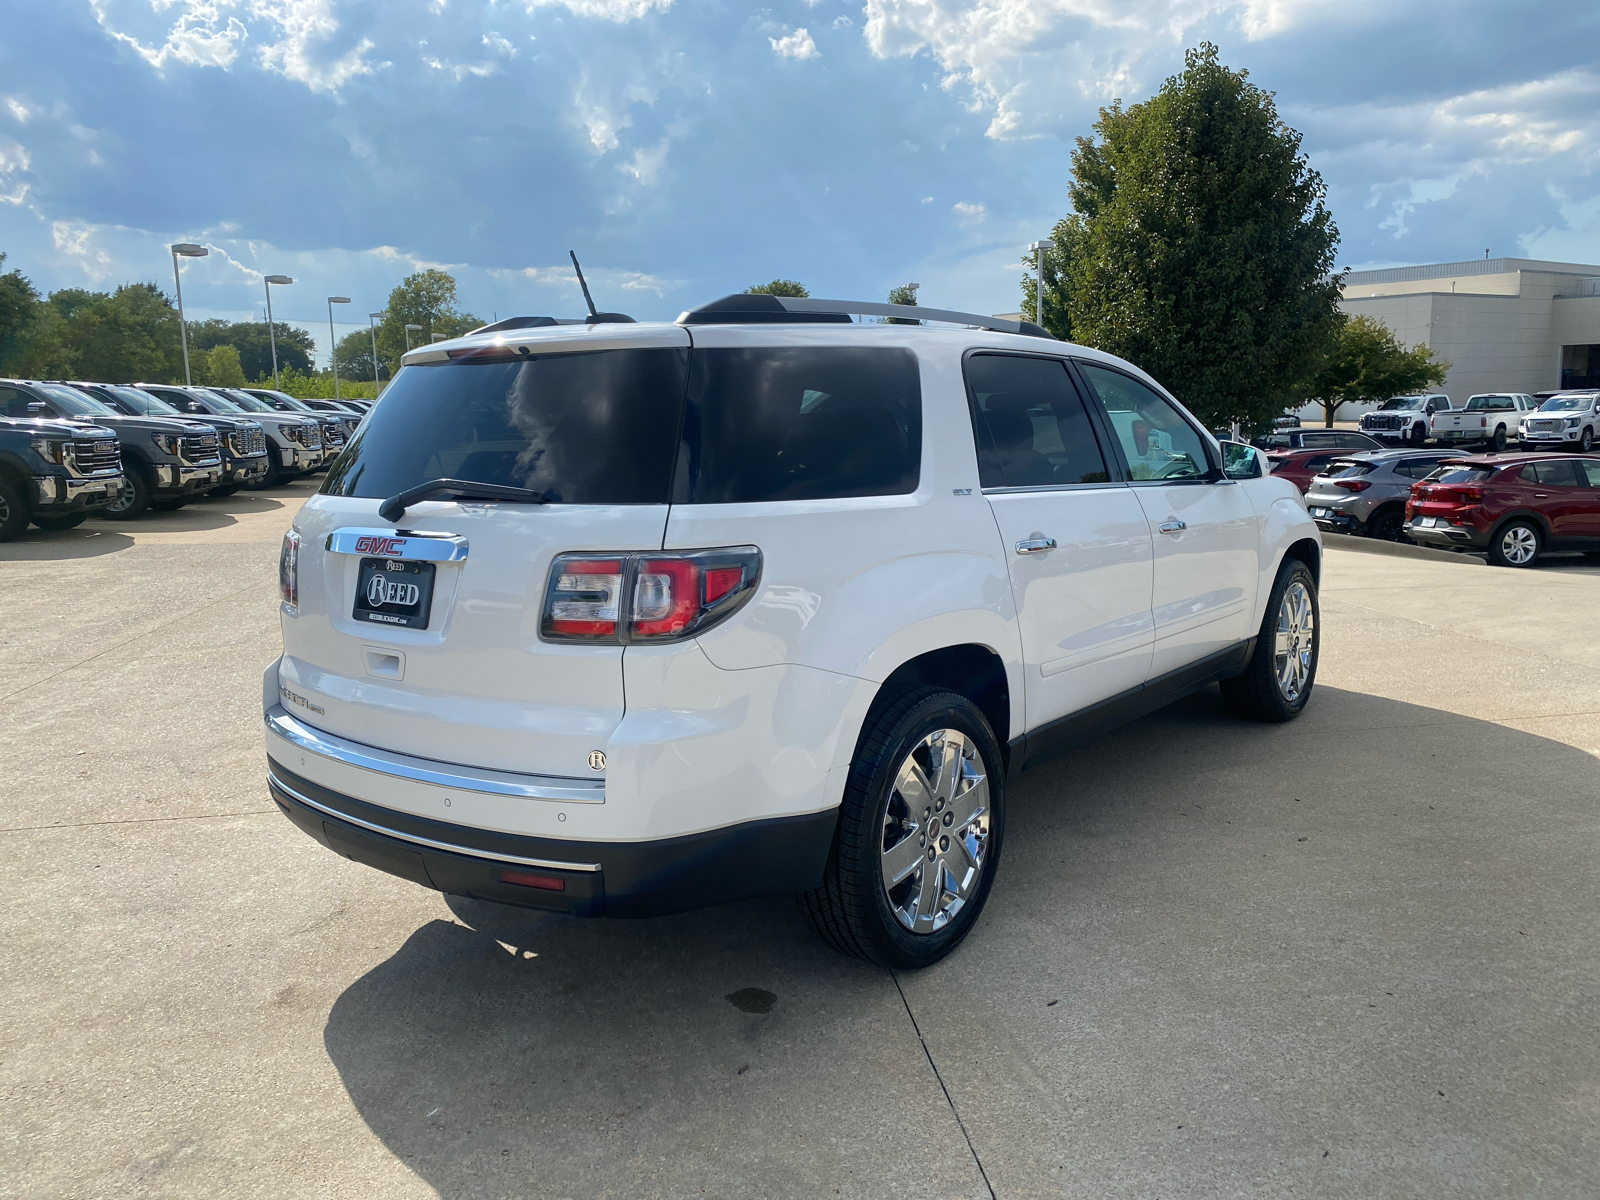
{"x": 1351, "y": 956}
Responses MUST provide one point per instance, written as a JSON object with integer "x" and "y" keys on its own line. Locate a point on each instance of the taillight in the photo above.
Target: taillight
{"x": 1466, "y": 495}
{"x": 289, "y": 573}
{"x": 1353, "y": 485}
{"x": 646, "y": 597}
{"x": 1483, "y": 422}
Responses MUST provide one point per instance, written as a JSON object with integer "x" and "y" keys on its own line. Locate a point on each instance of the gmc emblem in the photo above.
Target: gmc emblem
{"x": 380, "y": 545}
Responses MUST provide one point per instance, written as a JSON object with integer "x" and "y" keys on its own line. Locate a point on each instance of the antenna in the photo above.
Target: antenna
{"x": 587, "y": 299}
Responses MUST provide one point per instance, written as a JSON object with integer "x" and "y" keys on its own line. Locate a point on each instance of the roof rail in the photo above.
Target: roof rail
{"x": 765, "y": 310}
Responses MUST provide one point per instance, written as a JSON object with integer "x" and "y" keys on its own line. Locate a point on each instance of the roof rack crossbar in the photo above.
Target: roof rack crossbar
{"x": 870, "y": 308}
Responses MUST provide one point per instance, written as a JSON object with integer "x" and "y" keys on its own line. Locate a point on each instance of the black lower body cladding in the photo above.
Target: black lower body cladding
{"x": 635, "y": 879}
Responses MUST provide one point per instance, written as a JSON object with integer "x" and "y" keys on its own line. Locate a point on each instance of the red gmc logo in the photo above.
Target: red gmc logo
{"x": 380, "y": 545}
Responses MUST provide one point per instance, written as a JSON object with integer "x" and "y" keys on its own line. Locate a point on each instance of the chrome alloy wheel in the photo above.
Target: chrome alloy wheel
{"x": 1519, "y": 544}
{"x": 935, "y": 842}
{"x": 1296, "y": 640}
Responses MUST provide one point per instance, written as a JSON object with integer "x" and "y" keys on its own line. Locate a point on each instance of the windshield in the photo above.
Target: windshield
{"x": 1489, "y": 404}
{"x": 286, "y": 403}
{"x": 600, "y": 427}
{"x": 143, "y": 402}
{"x": 76, "y": 403}
{"x": 1565, "y": 403}
{"x": 1401, "y": 402}
{"x": 222, "y": 402}
{"x": 245, "y": 401}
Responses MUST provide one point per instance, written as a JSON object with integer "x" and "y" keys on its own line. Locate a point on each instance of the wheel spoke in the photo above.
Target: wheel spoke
{"x": 902, "y": 858}
{"x": 951, "y": 744}
{"x": 914, "y": 787}
{"x": 970, "y": 803}
{"x": 932, "y": 893}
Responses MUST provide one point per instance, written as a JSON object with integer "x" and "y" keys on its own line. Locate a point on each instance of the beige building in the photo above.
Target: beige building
{"x": 1503, "y": 324}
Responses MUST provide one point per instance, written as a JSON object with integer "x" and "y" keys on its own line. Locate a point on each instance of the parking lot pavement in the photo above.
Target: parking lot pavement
{"x": 1353, "y": 955}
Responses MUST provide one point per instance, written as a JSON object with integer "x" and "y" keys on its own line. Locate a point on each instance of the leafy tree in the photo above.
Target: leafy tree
{"x": 355, "y": 356}
{"x": 1366, "y": 363}
{"x": 250, "y": 339}
{"x": 318, "y": 385}
{"x": 906, "y": 293}
{"x": 426, "y": 298}
{"x": 217, "y": 367}
{"x": 30, "y": 343}
{"x": 778, "y": 287}
{"x": 1199, "y": 246}
{"x": 128, "y": 335}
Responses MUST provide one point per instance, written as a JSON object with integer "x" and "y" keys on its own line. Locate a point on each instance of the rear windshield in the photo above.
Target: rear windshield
{"x": 592, "y": 428}
{"x": 1490, "y": 403}
{"x": 800, "y": 423}
{"x": 1347, "y": 470}
{"x": 1461, "y": 474}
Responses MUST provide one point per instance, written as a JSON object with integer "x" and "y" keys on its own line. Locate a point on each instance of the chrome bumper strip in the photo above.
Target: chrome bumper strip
{"x": 471, "y": 852}
{"x": 422, "y": 770}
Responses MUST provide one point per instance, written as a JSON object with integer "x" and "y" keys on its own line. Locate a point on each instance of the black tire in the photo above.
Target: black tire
{"x": 134, "y": 498}
{"x": 65, "y": 521}
{"x": 1388, "y": 525}
{"x": 1419, "y": 435}
{"x": 14, "y": 515}
{"x": 1257, "y": 693}
{"x": 169, "y": 503}
{"x": 1498, "y": 441}
{"x": 852, "y": 910}
{"x": 1517, "y": 543}
{"x": 226, "y": 489}
{"x": 1586, "y": 440}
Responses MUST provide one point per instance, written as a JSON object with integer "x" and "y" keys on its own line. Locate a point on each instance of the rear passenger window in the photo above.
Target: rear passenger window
{"x": 1029, "y": 423}
{"x": 1590, "y": 467}
{"x": 800, "y": 423}
{"x": 1157, "y": 442}
{"x": 1558, "y": 472}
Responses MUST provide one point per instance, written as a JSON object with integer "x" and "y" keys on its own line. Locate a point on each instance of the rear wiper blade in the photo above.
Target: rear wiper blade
{"x": 394, "y": 507}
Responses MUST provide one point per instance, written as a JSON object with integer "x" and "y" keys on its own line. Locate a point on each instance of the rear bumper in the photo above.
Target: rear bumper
{"x": 586, "y": 879}
{"x": 1447, "y": 535}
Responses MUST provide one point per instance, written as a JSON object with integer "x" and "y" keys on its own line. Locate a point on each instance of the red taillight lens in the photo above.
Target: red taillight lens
{"x": 663, "y": 597}
{"x": 583, "y": 599}
{"x": 522, "y": 878}
{"x": 289, "y": 571}
{"x": 1353, "y": 485}
{"x": 1466, "y": 495}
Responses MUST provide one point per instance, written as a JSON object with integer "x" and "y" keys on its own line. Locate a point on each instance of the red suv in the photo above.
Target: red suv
{"x": 1302, "y": 466}
{"x": 1515, "y": 506}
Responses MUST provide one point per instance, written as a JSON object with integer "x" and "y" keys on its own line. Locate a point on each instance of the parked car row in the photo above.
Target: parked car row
{"x": 1567, "y": 420}
{"x": 71, "y": 449}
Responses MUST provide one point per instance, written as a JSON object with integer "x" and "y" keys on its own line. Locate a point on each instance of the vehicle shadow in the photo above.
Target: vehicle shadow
{"x": 1195, "y": 890}
{"x": 89, "y": 540}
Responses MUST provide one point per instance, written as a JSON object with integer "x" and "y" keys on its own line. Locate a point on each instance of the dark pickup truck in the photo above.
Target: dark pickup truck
{"x": 244, "y": 443}
{"x": 55, "y": 473}
{"x": 164, "y": 462}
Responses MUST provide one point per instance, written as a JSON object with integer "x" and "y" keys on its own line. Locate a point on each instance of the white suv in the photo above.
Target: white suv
{"x": 620, "y": 619}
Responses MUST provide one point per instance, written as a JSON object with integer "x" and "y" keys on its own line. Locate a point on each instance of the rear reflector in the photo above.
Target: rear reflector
{"x": 548, "y": 882}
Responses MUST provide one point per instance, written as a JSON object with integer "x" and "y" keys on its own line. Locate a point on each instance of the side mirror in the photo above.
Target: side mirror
{"x": 1240, "y": 461}
{"x": 37, "y": 406}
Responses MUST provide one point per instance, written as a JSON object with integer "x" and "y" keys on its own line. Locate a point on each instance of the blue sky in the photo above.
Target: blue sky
{"x": 687, "y": 149}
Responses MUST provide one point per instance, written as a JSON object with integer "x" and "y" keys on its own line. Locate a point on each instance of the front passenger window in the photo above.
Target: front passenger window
{"x": 1157, "y": 442}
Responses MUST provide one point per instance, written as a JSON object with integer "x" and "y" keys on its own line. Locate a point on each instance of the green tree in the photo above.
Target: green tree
{"x": 1367, "y": 363}
{"x": 249, "y": 338}
{"x": 906, "y": 293}
{"x": 126, "y": 336}
{"x": 426, "y": 298}
{"x": 778, "y": 287}
{"x": 355, "y": 356}
{"x": 1199, "y": 246}
{"x": 217, "y": 367}
{"x": 30, "y": 341}
{"x": 318, "y": 385}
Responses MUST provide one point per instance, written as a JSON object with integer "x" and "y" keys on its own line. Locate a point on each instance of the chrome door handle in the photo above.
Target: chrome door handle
{"x": 1036, "y": 545}
{"x": 1172, "y": 526}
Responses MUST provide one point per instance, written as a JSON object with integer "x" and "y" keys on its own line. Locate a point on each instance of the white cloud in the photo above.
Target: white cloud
{"x": 18, "y": 110}
{"x": 605, "y": 10}
{"x": 201, "y": 36}
{"x": 500, "y": 44}
{"x": 14, "y": 160}
{"x": 646, "y": 163}
{"x": 842, "y": 22}
{"x": 1578, "y": 240}
{"x": 459, "y": 71}
{"x": 301, "y": 23}
{"x": 969, "y": 214}
{"x": 74, "y": 240}
{"x": 600, "y": 119}
{"x": 795, "y": 45}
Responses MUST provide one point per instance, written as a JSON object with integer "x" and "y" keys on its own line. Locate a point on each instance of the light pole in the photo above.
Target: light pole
{"x": 436, "y": 337}
{"x": 186, "y": 250}
{"x": 371, "y": 317}
{"x": 409, "y": 329}
{"x": 267, "y": 281}
{"x": 1038, "y": 249}
{"x": 333, "y": 342}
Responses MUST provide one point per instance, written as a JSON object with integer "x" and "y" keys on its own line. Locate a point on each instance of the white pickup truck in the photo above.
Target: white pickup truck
{"x": 1493, "y": 417}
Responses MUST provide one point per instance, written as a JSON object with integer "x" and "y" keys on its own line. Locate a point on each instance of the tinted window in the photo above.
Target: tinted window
{"x": 73, "y": 401}
{"x": 1030, "y": 424}
{"x": 137, "y": 402}
{"x": 1558, "y": 472}
{"x": 800, "y": 423}
{"x": 1416, "y": 468}
{"x": 14, "y": 403}
{"x": 1347, "y": 470}
{"x": 1590, "y": 469}
{"x": 589, "y": 428}
{"x": 1157, "y": 442}
{"x": 1462, "y": 474}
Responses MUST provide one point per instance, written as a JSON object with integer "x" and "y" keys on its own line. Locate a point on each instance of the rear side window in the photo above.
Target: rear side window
{"x": 800, "y": 423}
{"x": 1559, "y": 472}
{"x": 1416, "y": 468}
{"x": 1029, "y": 423}
{"x": 1590, "y": 469}
{"x": 591, "y": 428}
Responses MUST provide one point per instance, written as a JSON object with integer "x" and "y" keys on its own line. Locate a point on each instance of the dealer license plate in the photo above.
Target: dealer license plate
{"x": 393, "y": 591}
{"x": 1430, "y": 522}
{"x": 1321, "y": 512}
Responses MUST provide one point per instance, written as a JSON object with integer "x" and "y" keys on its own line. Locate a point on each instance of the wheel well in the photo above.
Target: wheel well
{"x": 1308, "y": 552}
{"x": 1533, "y": 518}
{"x": 973, "y": 671}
